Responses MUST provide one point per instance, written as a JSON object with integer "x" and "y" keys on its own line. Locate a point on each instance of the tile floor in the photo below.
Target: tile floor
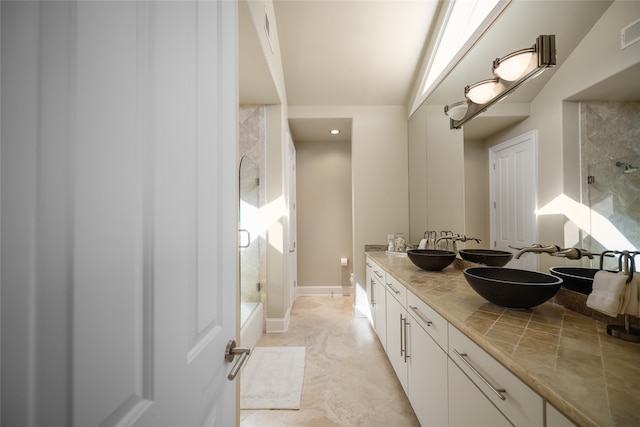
{"x": 348, "y": 379}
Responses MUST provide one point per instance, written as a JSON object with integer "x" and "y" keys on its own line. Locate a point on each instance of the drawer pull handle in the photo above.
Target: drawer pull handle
{"x": 377, "y": 274}
{"x": 420, "y": 315}
{"x": 393, "y": 289}
{"x": 406, "y": 352}
{"x": 498, "y": 391}
{"x": 373, "y": 294}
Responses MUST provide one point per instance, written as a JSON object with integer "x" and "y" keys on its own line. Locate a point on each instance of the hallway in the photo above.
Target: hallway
{"x": 348, "y": 379}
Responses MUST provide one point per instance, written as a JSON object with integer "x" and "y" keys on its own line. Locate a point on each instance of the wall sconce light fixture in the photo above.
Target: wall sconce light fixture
{"x": 509, "y": 73}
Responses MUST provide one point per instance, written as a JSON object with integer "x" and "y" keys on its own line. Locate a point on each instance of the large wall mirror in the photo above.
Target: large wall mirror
{"x": 448, "y": 169}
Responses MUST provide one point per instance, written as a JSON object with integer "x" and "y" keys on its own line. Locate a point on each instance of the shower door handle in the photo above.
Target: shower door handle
{"x": 230, "y": 353}
{"x": 242, "y": 230}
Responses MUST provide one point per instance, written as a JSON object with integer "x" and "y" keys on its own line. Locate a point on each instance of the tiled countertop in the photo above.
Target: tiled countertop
{"x": 566, "y": 357}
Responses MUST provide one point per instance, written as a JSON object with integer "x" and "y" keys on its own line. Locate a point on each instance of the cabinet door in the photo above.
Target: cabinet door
{"x": 427, "y": 378}
{"x": 396, "y": 343}
{"x": 380, "y": 312}
{"x": 468, "y": 406}
{"x": 369, "y": 289}
{"x": 556, "y": 419}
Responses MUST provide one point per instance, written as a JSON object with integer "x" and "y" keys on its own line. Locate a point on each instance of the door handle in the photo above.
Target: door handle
{"x": 242, "y": 230}
{"x": 230, "y": 353}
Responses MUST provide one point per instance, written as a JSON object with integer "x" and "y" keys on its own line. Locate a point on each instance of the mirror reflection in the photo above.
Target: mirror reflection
{"x": 585, "y": 127}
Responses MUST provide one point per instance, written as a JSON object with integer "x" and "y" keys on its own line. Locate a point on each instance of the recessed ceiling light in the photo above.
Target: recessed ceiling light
{"x": 334, "y": 131}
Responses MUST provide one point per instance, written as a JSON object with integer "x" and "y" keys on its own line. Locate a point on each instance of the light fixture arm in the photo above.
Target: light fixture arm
{"x": 544, "y": 48}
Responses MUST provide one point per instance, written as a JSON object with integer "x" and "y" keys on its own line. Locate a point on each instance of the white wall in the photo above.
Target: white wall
{"x": 476, "y": 194}
{"x": 278, "y": 298}
{"x": 324, "y": 214}
{"x": 379, "y": 156}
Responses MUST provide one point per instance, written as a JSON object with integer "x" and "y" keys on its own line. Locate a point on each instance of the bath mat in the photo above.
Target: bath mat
{"x": 272, "y": 378}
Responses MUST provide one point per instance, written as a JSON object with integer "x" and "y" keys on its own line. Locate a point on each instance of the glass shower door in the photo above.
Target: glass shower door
{"x": 248, "y": 239}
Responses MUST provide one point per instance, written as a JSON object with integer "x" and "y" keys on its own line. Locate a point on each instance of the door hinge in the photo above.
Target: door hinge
{"x": 591, "y": 179}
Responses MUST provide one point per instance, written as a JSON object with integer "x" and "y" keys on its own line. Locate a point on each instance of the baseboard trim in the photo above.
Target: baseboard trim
{"x": 274, "y": 325}
{"x": 324, "y": 291}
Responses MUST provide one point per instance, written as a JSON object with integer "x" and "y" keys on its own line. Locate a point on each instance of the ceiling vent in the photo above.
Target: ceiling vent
{"x": 630, "y": 34}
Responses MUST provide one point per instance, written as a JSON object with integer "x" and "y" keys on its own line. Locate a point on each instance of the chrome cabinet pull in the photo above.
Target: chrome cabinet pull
{"x": 373, "y": 297}
{"x": 393, "y": 289}
{"x": 498, "y": 391}
{"x": 406, "y": 352}
{"x": 230, "y": 353}
{"x": 401, "y": 331}
{"x": 420, "y": 315}
{"x": 377, "y": 274}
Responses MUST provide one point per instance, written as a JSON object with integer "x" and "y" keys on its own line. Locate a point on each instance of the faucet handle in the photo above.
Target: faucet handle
{"x": 573, "y": 253}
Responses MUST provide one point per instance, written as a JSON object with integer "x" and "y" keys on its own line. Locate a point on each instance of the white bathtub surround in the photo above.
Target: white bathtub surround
{"x": 252, "y": 321}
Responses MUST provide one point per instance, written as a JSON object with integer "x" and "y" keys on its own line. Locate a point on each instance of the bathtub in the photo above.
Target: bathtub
{"x": 252, "y": 323}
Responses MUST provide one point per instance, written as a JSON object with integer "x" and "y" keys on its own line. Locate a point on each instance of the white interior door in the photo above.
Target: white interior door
{"x": 119, "y": 280}
{"x": 513, "y": 195}
{"x": 291, "y": 201}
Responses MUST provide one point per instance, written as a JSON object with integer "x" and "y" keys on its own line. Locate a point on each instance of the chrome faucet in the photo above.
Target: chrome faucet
{"x": 536, "y": 248}
{"x": 456, "y": 238}
{"x": 573, "y": 253}
{"x": 463, "y": 238}
{"x": 554, "y": 250}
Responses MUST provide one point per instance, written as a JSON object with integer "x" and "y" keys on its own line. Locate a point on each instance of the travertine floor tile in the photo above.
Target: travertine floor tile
{"x": 348, "y": 379}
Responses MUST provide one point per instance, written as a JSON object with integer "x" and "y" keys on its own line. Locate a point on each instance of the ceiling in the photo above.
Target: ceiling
{"x": 351, "y": 52}
{"x": 368, "y": 53}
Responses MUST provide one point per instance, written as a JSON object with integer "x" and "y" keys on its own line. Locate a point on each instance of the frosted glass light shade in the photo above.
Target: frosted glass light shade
{"x": 457, "y": 111}
{"x": 515, "y": 65}
{"x": 481, "y": 92}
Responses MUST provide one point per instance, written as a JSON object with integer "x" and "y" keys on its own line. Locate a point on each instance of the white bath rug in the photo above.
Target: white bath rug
{"x": 272, "y": 378}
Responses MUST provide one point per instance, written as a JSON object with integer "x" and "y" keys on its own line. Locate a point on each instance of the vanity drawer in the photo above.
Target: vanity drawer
{"x": 521, "y": 405}
{"x": 396, "y": 289}
{"x": 376, "y": 271}
{"x": 429, "y": 319}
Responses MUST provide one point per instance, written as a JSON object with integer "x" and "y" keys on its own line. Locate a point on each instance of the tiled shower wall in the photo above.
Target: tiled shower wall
{"x": 610, "y": 133}
{"x": 253, "y": 144}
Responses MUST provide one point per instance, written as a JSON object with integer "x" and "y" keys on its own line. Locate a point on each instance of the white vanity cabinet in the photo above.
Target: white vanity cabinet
{"x": 418, "y": 360}
{"x": 449, "y": 379}
{"x": 508, "y": 395}
{"x": 556, "y": 419}
{"x": 397, "y": 329}
{"x": 427, "y": 364}
{"x": 376, "y": 291}
{"x": 468, "y": 406}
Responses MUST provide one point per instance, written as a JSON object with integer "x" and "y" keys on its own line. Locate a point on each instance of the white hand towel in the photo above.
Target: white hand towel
{"x": 608, "y": 293}
{"x": 631, "y": 297}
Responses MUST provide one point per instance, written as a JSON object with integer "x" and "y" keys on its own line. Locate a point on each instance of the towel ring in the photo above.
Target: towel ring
{"x": 632, "y": 267}
{"x": 602, "y": 255}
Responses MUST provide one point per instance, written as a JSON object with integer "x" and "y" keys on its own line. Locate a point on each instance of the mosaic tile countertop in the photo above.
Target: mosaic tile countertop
{"x": 566, "y": 357}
